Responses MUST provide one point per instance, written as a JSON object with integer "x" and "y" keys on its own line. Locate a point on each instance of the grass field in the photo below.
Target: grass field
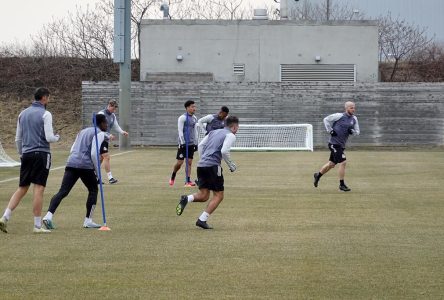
{"x": 275, "y": 236}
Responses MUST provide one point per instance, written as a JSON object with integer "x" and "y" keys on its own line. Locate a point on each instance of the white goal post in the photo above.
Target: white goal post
{"x": 5, "y": 160}
{"x": 272, "y": 137}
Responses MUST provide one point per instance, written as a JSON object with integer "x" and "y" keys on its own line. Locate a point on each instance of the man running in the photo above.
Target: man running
{"x": 213, "y": 148}
{"x": 340, "y": 126}
{"x": 82, "y": 163}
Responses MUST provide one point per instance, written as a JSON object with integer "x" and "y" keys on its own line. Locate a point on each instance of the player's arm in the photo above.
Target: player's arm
{"x": 355, "y": 130}
{"x": 18, "y": 137}
{"x": 330, "y": 120}
{"x": 202, "y": 122}
{"x": 202, "y": 145}
{"x": 118, "y": 128}
{"x": 180, "y": 124}
{"x": 101, "y": 142}
{"x": 229, "y": 141}
{"x": 49, "y": 132}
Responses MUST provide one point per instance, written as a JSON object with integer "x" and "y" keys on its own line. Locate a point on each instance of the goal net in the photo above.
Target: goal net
{"x": 5, "y": 160}
{"x": 269, "y": 137}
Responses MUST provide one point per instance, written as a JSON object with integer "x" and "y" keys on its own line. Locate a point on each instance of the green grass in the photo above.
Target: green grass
{"x": 275, "y": 236}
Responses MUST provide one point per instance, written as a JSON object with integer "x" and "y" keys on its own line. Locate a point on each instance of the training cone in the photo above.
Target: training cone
{"x": 105, "y": 228}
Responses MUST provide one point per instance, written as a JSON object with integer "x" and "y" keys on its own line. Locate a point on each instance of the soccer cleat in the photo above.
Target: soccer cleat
{"x": 41, "y": 230}
{"x": 113, "y": 181}
{"x": 98, "y": 182}
{"x": 3, "y": 224}
{"x": 181, "y": 205}
{"x": 189, "y": 184}
{"x": 48, "y": 224}
{"x": 316, "y": 179}
{"x": 91, "y": 224}
{"x": 344, "y": 188}
{"x": 171, "y": 182}
{"x": 203, "y": 224}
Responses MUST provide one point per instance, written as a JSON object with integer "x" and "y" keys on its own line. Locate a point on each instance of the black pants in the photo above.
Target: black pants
{"x": 70, "y": 177}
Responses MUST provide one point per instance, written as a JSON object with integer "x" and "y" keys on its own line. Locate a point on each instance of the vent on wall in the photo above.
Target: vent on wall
{"x": 239, "y": 69}
{"x": 318, "y": 72}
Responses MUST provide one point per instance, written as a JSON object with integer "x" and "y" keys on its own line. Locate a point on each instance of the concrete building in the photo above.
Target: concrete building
{"x": 258, "y": 51}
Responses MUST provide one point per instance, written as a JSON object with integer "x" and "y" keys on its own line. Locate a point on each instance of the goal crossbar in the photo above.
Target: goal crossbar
{"x": 273, "y": 137}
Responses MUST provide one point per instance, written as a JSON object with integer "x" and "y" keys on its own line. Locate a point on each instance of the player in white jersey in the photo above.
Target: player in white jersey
{"x": 213, "y": 148}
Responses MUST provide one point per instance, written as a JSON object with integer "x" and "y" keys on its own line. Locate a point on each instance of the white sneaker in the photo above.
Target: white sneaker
{"x": 41, "y": 230}
{"x": 3, "y": 224}
{"x": 91, "y": 224}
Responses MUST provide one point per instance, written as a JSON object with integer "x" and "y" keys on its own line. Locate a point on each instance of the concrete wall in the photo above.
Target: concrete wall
{"x": 388, "y": 113}
{"x": 213, "y": 47}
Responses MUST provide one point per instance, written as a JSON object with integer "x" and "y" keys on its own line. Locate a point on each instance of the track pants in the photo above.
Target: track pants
{"x": 70, "y": 178}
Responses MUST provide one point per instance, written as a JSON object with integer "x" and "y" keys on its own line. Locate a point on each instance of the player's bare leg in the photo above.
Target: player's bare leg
{"x": 13, "y": 203}
{"x": 176, "y": 168}
{"x": 342, "y": 185}
{"x": 201, "y": 196}
{"x": 214, "y": 203}
{"x": 325, "y": 168}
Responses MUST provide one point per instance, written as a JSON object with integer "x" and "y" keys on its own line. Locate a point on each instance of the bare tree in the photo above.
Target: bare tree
{"x": 85, "y": 33}
{"x": 325, "y": 11}
{"x": 399, "y": 40}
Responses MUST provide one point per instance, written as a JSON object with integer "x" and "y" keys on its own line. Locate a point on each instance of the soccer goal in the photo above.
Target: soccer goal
{"x": 273, "y": 137}
{"x": 5, "y": 160}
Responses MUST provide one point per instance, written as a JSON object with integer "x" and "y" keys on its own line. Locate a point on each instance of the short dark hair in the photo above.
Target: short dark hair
{"x": 100, "y": 119}
{"x": 232, "y": 120}
{"x": 224, "y": 109}
{"x": 113, "y": 103}
{"x": 188, "y": 103}
{"x": 40, "y": 93}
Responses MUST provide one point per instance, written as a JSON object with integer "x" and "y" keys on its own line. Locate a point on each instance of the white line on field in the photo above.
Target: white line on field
{"x": 61, "y": 167}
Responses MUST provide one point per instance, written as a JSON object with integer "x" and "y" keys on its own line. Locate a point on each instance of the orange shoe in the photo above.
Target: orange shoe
{"x": 171, "y": 182}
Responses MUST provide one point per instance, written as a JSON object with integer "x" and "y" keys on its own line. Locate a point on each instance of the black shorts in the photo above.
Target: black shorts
{"x": 210, "y": 178}
{"x": 104, "y": 148}
{"x": 181, "y": 153}
{"x": 35, "y": 168}
{"x": 337, "y": 154}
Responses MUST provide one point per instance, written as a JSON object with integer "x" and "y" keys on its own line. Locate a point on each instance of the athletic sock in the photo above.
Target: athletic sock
{"x": 341, "y": 182}
{"x": 173, "y": 176}
{"x": 188, "y": 179}
{"x": 204, "y": 216}
{"x": 37, "y": 222}
{"x": 190, "y": 198}
{"x": 109, "y": 175}
{"x": 7, "y": 214}
{"x": 48, "y": 216}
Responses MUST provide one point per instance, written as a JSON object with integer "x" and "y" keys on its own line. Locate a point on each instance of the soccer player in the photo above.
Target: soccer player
{"x": 82, "y": 163}
{"x": 109, "y": 113}
{"x": 33, "y": 135}
{"x": 215, "y": 146}
{"x": 339, "y": 126}
{"x": 212, "y": 122}
{"x": 186, "y": 126}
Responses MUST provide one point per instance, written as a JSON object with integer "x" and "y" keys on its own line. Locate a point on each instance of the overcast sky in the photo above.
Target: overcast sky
{"x": 21, "y": 18}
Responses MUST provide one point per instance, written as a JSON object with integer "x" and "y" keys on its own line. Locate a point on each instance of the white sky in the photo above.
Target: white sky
{"x": 19, "y": 19}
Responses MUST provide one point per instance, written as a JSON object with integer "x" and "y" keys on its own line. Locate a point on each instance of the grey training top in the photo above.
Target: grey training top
{"x": 341, "y": 123}
{"x": 112, "y": 120}
{"x": 83, "y": 152}
{"x": 215, "y": 146}
{"x": 187, "y": 129}
{"x": 212, "y": 122}
{"x": 34, "y": 129}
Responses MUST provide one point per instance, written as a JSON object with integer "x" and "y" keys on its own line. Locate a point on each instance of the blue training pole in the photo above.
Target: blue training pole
{"x": 100, "y": 173}
{"x": 186, "y": 148}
